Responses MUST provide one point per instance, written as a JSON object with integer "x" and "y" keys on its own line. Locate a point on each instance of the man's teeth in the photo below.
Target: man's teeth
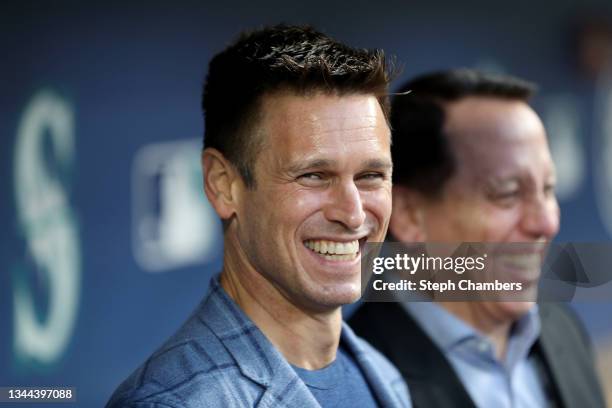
{"x": 335, "y": 251}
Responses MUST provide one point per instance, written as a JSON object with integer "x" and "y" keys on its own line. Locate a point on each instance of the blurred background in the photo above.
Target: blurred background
{"x": 107, "y": 240}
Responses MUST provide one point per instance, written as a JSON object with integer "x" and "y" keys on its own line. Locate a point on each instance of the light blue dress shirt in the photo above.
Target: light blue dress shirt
{"x": 512, "y": 382}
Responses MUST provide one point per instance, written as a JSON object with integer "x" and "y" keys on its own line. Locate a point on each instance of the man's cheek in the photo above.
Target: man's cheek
{"x": 380, "y": 202}
{"x": 301, "y": 205}
{"x": 379, "y": 206}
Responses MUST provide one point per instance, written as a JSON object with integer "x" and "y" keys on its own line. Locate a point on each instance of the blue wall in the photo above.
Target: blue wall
{"x": 107, "y": 241}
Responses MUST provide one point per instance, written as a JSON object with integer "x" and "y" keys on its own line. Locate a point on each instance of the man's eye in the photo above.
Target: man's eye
{"x": 311, "y": 179}
{"x": 372, "y": 176}
{"x": 506, "y": 196}
{"x": 549, "y": 189}
{"x": 311, "y": 176}
{"x": 370, "y": 180}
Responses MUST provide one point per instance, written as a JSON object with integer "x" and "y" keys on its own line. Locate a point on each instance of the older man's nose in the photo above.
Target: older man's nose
{"x": 541, "y": 218}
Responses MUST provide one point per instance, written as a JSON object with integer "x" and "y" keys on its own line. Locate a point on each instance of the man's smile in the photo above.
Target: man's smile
{"x": 334, "y": 250}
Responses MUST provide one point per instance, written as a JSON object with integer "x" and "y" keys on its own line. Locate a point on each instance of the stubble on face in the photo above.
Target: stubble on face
{"x": 323, "y": 175}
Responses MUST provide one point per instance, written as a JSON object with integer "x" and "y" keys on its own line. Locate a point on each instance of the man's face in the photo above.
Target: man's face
{"x": 503, "y": 188}
{"x": 323, "y": 187}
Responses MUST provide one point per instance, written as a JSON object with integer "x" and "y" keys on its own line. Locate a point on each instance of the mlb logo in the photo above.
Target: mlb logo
{"x": 173, "y": 224}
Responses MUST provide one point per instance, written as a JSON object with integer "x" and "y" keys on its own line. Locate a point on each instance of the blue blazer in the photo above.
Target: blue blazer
{"x": 219, "y": 358}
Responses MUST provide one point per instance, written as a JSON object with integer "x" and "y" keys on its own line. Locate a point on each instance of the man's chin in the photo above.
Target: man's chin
{"x": 336, "y": 297}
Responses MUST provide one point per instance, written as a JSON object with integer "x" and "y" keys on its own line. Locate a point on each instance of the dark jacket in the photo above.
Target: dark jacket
{"x": 562, "y": 354}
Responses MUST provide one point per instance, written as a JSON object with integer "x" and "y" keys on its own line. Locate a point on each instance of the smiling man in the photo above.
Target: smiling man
{"x": 472, "y": 164}
{"x": 297, "y": 164}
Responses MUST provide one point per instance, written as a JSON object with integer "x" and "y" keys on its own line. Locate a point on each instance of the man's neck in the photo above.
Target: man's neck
{"x": 306, "y": 339}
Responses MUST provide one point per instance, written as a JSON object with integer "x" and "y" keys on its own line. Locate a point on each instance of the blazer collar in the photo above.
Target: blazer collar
{"x": 561, "y": 363}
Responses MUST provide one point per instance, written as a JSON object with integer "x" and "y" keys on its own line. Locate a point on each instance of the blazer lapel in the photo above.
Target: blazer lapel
{"x": 569, "y": 362}
{"x": 287, "y": 390}
{"x": 381, "y": 383}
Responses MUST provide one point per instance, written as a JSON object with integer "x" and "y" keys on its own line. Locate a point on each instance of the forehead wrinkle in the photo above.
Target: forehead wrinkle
{"x": 326, "y": 143}
{"x": 343, "y": 130}
{"x": 338, "y": 123}
{"x": 318, "y": 131}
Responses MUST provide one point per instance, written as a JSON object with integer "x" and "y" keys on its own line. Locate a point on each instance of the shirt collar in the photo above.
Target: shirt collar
{"x": 448, "y": 331}
{"x": 523, "y": 336}
{"x": 444, "y": 328}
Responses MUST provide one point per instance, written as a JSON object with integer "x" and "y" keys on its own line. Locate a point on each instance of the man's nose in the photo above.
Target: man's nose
{"x": 345, "y": 205}
{"x": 541, "y": 217}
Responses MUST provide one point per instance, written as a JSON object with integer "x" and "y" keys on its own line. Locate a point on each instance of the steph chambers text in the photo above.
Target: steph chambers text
{"x": 441, "y": 287}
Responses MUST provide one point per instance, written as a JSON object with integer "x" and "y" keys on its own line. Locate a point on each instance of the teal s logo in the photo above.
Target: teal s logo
{"x": 44, "y": 153}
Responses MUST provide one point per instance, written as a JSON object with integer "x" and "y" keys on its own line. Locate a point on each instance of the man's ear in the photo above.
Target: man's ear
{"x": 220, "y": 178}
{"x": 407, "y": 220}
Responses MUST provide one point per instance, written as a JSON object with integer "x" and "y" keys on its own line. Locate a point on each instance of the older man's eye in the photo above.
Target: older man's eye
{"x": 506, "y": 198}
{"x": 507, "y": 194}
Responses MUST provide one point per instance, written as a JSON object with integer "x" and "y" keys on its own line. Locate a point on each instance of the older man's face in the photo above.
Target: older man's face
{"x": 503, "y": 187}
{"x": 323, "y": 187}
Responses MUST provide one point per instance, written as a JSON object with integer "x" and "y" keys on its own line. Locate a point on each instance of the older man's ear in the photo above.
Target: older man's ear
{"x": 407, "y": 218}
{"x": 222, "y": 183}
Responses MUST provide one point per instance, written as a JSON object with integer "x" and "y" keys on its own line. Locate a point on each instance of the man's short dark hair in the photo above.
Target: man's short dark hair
{"x": 294, "y": 58}
{"x": 422, "y": 158}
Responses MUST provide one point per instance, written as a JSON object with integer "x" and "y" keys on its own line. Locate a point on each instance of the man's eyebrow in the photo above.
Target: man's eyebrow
{"x": 378, "y": 164}
{"x": 302, "y": 165}
{"x": 381, "y": 164}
